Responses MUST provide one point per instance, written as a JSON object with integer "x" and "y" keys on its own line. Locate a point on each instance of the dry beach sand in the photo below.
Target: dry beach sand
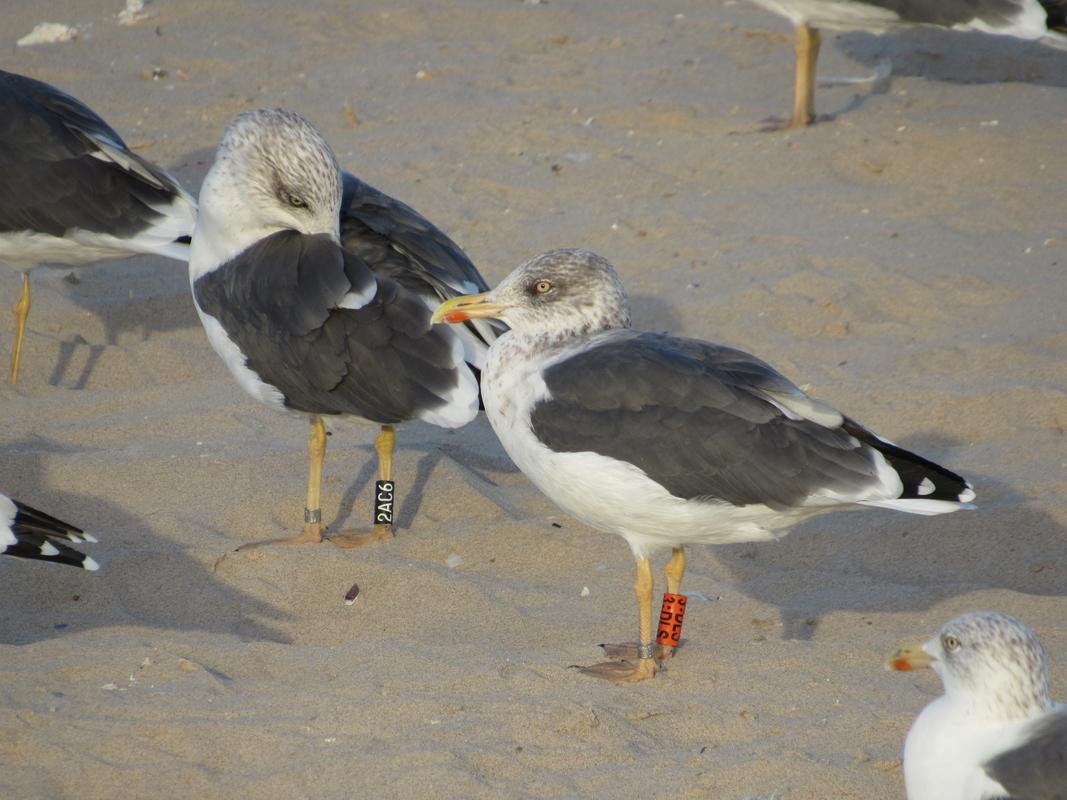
{"x": 905, "y": 260}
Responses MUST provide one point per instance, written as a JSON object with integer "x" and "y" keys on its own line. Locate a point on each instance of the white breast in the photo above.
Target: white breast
{"x": 944, "y": 751}
{"x": 237, "y": 363}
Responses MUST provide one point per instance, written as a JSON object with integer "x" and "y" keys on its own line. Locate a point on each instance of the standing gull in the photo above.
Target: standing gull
{"x": 1025, "y": 19}
{"x": 74, "y": 193}
{"x": 995, "y": 732}
{"x": 668, "y": 441}
{"x": 315, "y": 290}
{"x": 26, "y": 532}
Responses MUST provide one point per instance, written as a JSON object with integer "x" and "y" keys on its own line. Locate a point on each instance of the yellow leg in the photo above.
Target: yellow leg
{"x": 313, "y": 527}
{"x": 22, "y": 312}
{"x": 643, "y": 589}
{"x": 384, "y": 445}
{"x": 675, "y": 570}
{"x": 807, "y": 49}
{"x": 645, "y": 668}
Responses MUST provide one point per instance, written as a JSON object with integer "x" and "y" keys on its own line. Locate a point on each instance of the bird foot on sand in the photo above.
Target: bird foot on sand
{"x": 780, "y": 125}
{"x": 622, "y": 671}
{"x": 628, "y": 651}
{"x": 347, "y": 539}
{"x": 312, "y": 534}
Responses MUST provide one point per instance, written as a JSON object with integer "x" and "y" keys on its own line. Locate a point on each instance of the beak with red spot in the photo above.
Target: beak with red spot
{"x": 910, "y": 657}
{"x": 470, "y": 306}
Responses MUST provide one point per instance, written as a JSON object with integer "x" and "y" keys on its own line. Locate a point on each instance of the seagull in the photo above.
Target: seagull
{"x": 1025, "y": 19}
{"x": 668, "y": 441}
{"x": 995, "y": 733}
{"x": 316, "y": 290}
{"x": 26, "y": 532}
{"x": 74, "y": 193}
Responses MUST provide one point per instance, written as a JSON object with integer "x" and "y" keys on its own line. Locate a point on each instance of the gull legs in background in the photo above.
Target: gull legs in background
{"x": 22, "y": 312}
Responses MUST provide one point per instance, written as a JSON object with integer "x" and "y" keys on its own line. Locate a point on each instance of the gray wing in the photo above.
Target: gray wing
{"x": 279, "y": 301}
{"x": 58, "y": 161}
{"x": 395, "y": 240}
{"x": 947, "y": 13}
{"x": 1036, "y": 770}
{"x": 996, "y": 14}
{"x": 711, "y": 422}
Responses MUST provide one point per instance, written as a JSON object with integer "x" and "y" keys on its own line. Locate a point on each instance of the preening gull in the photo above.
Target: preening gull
{"x": 315, "y": 289}
{"x": 995, "y": 734}
{"x": 74, "y": 193}
{"x": 669, "y": 441}
{"x": 1025, "y": 19}
{"x": 26, "y": 532}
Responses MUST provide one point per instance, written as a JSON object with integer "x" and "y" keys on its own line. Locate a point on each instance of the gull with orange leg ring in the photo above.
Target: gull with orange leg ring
{"x": 667, "y": 441}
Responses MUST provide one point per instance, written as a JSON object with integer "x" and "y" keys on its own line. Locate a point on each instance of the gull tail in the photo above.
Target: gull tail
{"x": 928, "y": 488}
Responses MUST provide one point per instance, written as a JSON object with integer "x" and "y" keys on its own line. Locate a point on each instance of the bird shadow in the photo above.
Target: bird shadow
{"x": 145, "y": 577}
{"x": 160, "y": 303}
{"x": 958, "y": 56}
{"x": 476, "y": 462}
{"x": 878, "y": 560}
{"x": 139, "y": 296}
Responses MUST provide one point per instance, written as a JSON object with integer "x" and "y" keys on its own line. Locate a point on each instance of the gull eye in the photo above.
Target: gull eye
{"x": 542, "y": 287}
{"x": 950, "y": 642}
{"x": 295, "y": 200}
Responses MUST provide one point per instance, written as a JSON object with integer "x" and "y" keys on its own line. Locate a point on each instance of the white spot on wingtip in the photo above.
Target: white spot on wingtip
{"x": 90, "y": 565}
{"x": 48, "y": 549}
{"x": 926, "y": 487}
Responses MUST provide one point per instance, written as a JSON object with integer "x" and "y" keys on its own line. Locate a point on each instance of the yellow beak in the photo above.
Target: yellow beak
{"x": 910, "y": 657}
{"x": 470, "y": 306}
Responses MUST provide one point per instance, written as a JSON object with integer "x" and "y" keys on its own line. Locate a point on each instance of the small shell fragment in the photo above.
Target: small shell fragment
{"x": 352, "y": 594}
{"x": 49, "y": 33}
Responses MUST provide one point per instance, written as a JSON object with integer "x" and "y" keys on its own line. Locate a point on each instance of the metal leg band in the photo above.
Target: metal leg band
{"x": 312, "y": 515}
{"x": 646, "y": 650}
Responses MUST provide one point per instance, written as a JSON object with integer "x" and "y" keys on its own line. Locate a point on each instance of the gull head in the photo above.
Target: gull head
{"x": 273, "y": 171}
{"x": 991, "y": 664}
{"x": 558, "y": 294}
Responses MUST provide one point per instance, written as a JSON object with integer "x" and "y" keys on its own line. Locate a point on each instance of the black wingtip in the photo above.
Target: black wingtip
{"x": 922, "y": 479}
{"x": 42, "y": 537}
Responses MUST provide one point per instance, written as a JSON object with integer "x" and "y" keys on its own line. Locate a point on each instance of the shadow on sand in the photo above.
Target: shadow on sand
{"x": 145, "y": 578}
{"x": 879, "y": 561}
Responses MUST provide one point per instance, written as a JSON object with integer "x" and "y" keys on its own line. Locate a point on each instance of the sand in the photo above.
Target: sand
{"x": 904, "y": 261}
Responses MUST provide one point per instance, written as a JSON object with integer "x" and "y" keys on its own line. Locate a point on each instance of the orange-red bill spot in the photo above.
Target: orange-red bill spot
{"x": 901, "y": 664}
{"x": 453, "y": 317}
